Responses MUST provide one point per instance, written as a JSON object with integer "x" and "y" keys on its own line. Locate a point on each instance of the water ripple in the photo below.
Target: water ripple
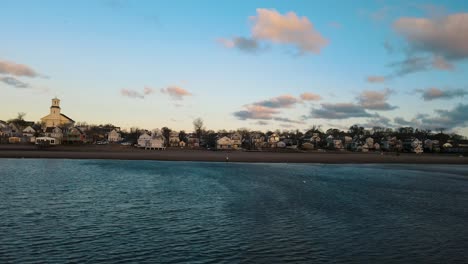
{"x": 167, "y": 212}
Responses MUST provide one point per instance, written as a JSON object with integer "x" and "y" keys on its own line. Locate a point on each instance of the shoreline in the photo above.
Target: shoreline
{"x": 128, "y": 153}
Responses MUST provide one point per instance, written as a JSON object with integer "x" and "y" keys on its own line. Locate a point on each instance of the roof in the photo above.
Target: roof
{"x": 67, "y": 117}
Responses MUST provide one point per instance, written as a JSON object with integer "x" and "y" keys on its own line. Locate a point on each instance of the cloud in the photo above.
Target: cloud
{"x": 339, "y": 111}
{"x": 287, "y": 120}
{"x": 256, "y": 112}
{"x": 272, "y": 27}
{"x": 176, "y": 92}
{"x": 244, "y": 44}
{"x": 449, "y": 119}
{"x": 443, "y": 36}
{"x": 310, "y": 97}
{"x": 131, "y": 93}
{"x": 440, "y": 63}
{"x": 261, "y": 123}
{"x": 411, "y": 64}
{"x": 15, "y": 69}
{"x": 377, "y": 121}
{"x": 375, "y": 79}
{"x": 148, "y": 90}
{"x": 376, "y": 100}
{"x": 282, "y": 101}
{"x": 14, "y": 82}
{"x": 430, "y": 94}
{"x": 402, "y": 122}
{"x": 266, "y": 109}
{"x": 135, "y": 94}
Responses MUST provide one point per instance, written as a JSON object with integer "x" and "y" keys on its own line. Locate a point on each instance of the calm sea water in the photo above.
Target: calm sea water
{"x": 183, "y": 212}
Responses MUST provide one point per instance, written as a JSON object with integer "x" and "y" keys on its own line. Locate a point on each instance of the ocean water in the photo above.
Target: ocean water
{"x": 102, "y": 211}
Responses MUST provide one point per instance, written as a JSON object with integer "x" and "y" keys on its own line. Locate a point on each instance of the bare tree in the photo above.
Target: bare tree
{"x": 198, "y": 127}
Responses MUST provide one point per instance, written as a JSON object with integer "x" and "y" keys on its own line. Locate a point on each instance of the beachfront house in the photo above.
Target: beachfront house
{"x": 29, "y": 131}
{"x": 417, "y": 146}
{"x": 74, "y": 135}
{"x": 54, "y": 132}
{"x": 14, "y": 130}
{"x": 236, "y": 140}
{"x": 348, "y": 141}
{"x": 174, "y": 140}
{"x": 315, "y": 139}
{"x": 157, "y": 141}
{"x": 257, "y": 140}
{"x": 46, "y": 141}
{"x": 369, "y": 143}
{"x": 338, "y": 144}
{"x": 114, "y": 136}
{"x": 330, "y": 140}
{"x": 193, "y": 141}
{"x": 144, "y": 140}
{"x": 224, "y": 143}
{"x": 273, "y": 139}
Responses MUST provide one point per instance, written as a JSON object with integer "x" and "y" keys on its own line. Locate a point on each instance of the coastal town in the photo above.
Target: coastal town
{"x": 56, "y": 128}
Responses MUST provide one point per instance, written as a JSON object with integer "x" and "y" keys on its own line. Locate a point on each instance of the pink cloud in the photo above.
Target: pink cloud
{"x": 177, "y": 93}
{"x": 12, "y": 68}
{"x": 272, "y": 26}
{"x": 376, "y": 100}
{"x": 443, "y": 36}
{"x": 288, "y": 29}
{"x": 310, "y": 97}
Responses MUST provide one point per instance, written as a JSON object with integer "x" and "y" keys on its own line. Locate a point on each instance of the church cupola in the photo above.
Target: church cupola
{"x": 55, "y": 108}
{"x": 56, "y": 102}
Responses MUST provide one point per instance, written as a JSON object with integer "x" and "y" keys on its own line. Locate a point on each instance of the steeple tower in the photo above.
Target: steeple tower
{"x": 55, "y": 108}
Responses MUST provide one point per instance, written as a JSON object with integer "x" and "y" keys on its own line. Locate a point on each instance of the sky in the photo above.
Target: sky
{"x": 262, "y": 65}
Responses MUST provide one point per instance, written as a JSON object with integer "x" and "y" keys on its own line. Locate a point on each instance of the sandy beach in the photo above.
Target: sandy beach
{"x": 130, "y": 153}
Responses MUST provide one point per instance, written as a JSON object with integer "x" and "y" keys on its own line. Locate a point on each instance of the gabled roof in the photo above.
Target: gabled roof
{"x": 51, "y": 129}
{"x": 67, "y": 118}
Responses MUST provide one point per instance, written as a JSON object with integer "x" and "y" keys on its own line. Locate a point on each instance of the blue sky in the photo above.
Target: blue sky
{"x": 238, "y": 64}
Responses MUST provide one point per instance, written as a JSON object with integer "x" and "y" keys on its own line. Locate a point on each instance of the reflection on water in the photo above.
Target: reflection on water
{"x": 173, "y": 212}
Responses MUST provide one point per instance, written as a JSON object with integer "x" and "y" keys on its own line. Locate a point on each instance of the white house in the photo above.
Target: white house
{"x": 224, "y": 143}
{"x": 144, "y": 140}
{"x": 273, "y": 140}
{"x": 338, "y": 144}
{"x": 157, "y": 141}
{"x": 46, "y": 141}
{"x": 29, "y": 131}
{"x": 417, "y": 146}
{"x": 114, "y": 136}
{"x": 236, "y": 141}
{"x": 370, "y": 143}
{"x": 174, "y": 139}
{"x": 257, "y": 140}
{"x": 54, "y": 132}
